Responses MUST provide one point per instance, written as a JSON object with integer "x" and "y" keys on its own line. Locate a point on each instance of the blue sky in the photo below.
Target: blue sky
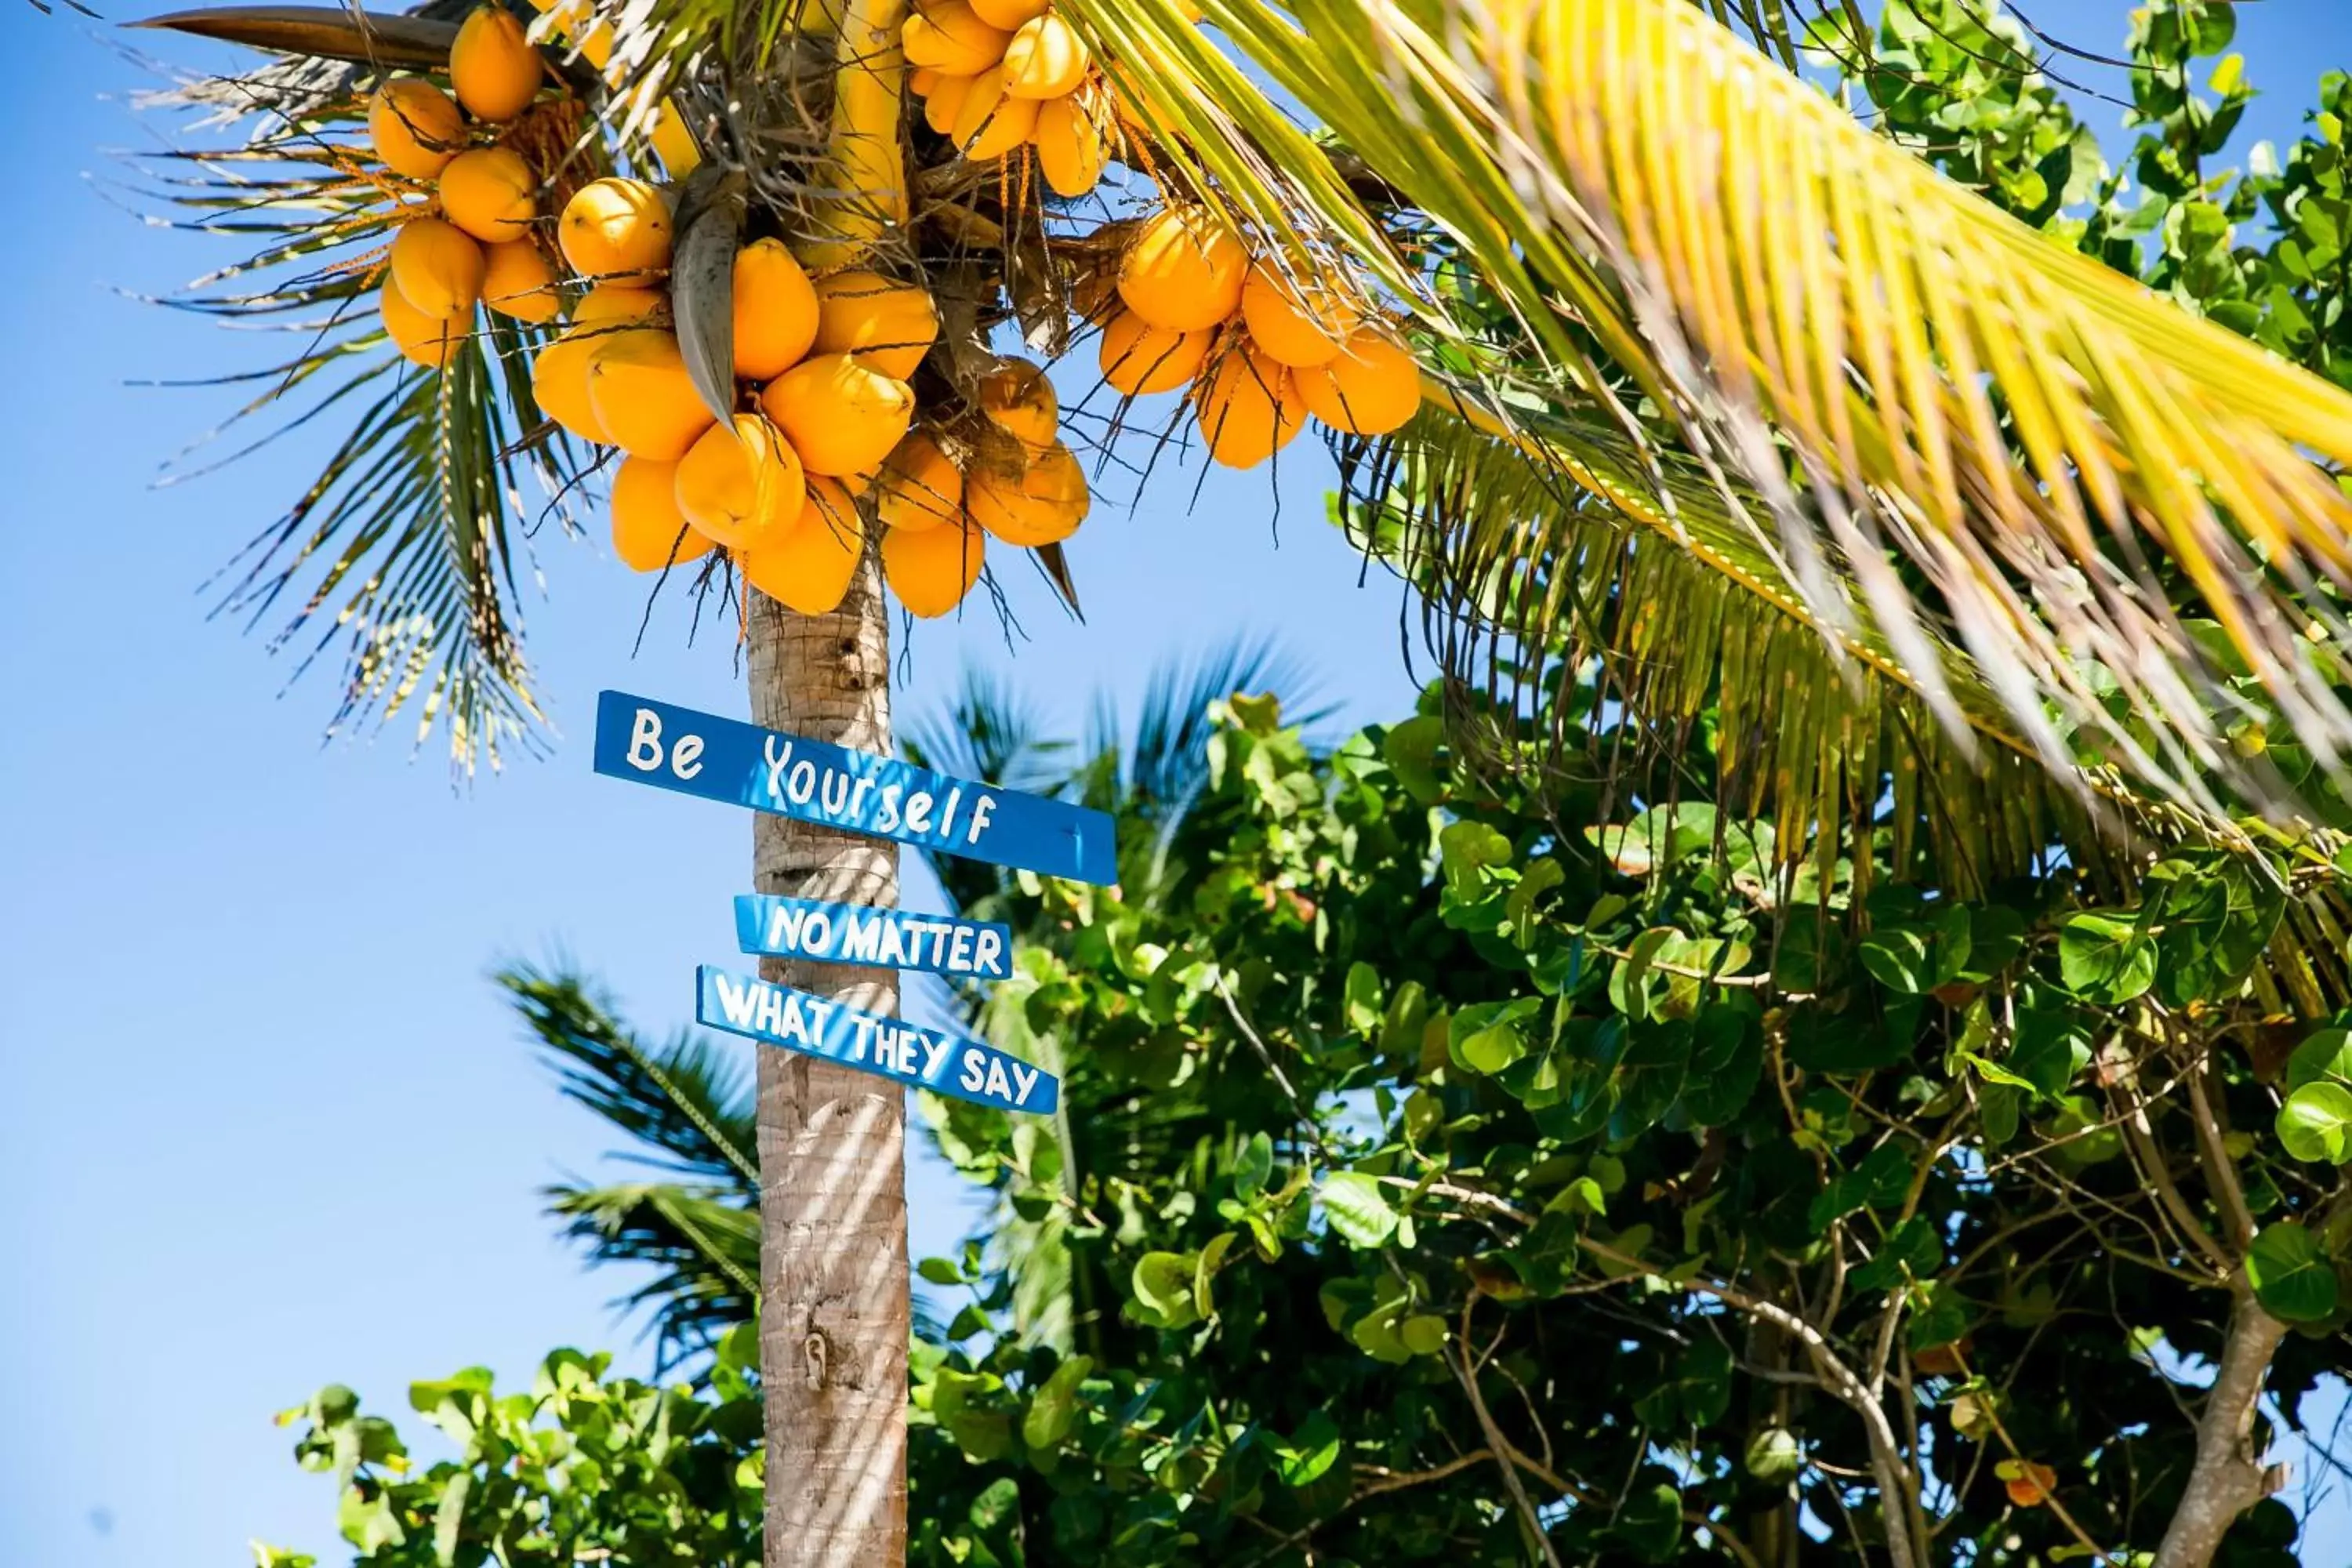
{"x": 266, "y": 1125}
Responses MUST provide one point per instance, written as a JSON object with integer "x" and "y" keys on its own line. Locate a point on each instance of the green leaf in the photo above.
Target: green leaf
{"x": 2050, "y": 1049}
{"x": 939, "y": 1271}
{"x": 1205, "y": 1270}
{"x": 1913, "y": 1252}
{"x": 1423, "y": 1333}
{"x": 1726, "y": 1060}
{"x": 1163, "y": 1287}
{"x": 1310, "y": 1452}
{"x": 2316, "y": 1123}
{"x": 1411, "y": 751}
{"x": 1357, "y": 1210}
{"x": 1650, "y": 1523}
{"x": 2105, "y": 959}
{"x": 1467, "y": 850}
{"x": 1899, "y": 958}
{"x": 1253, "y": 1166}
{"x": 997, "y": 1502}
{"x": 2325, "y": 1057}
{"x": 1774, "y": 1454}
{"x": 2290, "y": 1274}
{"x": 1055, "y": 1409}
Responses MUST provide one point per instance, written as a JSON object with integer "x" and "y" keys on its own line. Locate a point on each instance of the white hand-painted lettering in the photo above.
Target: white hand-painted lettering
{"x": 645, "y": 753}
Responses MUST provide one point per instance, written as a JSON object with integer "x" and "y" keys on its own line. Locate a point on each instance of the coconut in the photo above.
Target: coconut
{"x": 1008, "y": 15}
{"x": 1293, "y": 325}
{"x": 990, "y": 122}
{"x": 649, "y": 533}
{"x": 559, "y": 383}
{"x": 491, "y": 194}
{"x": 1071, "y": 146}
{"x": 414, "y": 127}
{"x": 438, "y": 268}
{"x": 1039, "y": 503}
{"x": 610, "y": 304}
{"x": 1018, "y": 400}
{"x": 1249, "y": 408}
{"x": 931, "y": 569}
{"x": 950, "y": 37}
{"x": 429, "y": 340}
{"x": 1370, "y": 388}
{"x": 775, "y": 310}
{"x": 841, "y": 417}
{"x": 644, "y": 398}
{"x": 519, "y": 282}
{"x": 496, "y": 71}
{"x": 1183, "y": 270}
{"x": 920, "y": 487}
{"x": 924, "y": 80}
{"x": 739, "y": 483}
{"x": 615, "y": 227}
{"x": 808, "y": 566}
{"x": 1044, "y": 59}
{"x": 1138, "y": 358}
{"x": 941, "y": 104}
{"x": 888, "y": 326}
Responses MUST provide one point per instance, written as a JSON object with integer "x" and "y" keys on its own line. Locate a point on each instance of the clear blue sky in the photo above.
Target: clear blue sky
{"x": 266, "y": 1126}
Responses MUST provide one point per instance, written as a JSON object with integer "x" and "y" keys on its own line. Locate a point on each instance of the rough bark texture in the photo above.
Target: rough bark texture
{"x": 2228, "y": 1477}
{"x": 833, "y": 1198}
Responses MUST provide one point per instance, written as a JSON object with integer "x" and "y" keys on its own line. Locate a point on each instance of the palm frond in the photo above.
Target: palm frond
{"x": 1664, "y": 214}
{"x": 702, "y": 1245}
{"x": 691, "y": 1101}
{"x": 410, "y": 547}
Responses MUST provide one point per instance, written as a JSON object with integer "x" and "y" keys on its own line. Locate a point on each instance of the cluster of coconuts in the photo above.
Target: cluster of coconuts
{"x": 1260, "y": 347}
{"x": 998, "y": 75}
{"x": 823, "y": 413}
{"x": 474, "y": 243}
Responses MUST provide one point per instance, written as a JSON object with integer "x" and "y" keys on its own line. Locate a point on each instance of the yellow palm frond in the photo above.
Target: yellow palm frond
{"x": 1867, "y": 346}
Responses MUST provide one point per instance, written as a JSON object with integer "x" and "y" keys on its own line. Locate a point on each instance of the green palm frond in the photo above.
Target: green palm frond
{"x": 701, "y": 1245}
{"x": 408, "y": 551}
{"x": 689, "y": 1100}
{"x": 1669, "y": 221}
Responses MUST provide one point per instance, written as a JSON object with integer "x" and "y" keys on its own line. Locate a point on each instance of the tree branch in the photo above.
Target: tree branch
{"x": 2227, "y": 1479}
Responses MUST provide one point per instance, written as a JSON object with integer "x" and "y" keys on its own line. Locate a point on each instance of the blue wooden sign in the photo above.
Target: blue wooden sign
{"x": 780, "y": 1016}
{"x": 742, "y": 764}
{"x": 858, "y": 933}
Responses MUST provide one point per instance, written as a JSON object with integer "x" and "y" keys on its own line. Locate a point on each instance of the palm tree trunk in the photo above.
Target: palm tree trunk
{"x": 833, "y": 1197}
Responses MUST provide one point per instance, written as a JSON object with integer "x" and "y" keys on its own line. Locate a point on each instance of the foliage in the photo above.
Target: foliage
{"x": 583, "y": 1467}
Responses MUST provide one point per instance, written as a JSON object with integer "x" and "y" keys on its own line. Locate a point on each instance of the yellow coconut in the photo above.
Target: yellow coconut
{"x": 775, "y": 310}
{"x": 649, "y": 533}
{"x": 808, "y": 566}
{"x": 519, "y": 282}
{"x": 988, "y": 122}
{"x": 942, "y": 103}
{"x": 888, "y": 326}
{"x": 920, "y": 487}
{"x": 491, "y": 193}
{"x": 414, "y": 127}
{"x": 841, "y": 417}
{"x": 1183, "y": 270}
{"x": 429, "y": 340}
{"x": 1249, "y": 408}
{"x": 741, "y": 483}
{"x": 949, "y": 37}
{"x": 1040, "y": 503}
{"x": 924, "y": 80}
{"x": 559, "y": 383}
{"x": 609, "y": 304}
{"x": 1138, "y": 358}
{"x": 1294, "y": 324}
{"x": 496, "y": 71}
{"x": 439, "y": 268}
{"x": 1044, "y": 59}
{"x": 615, "y": 227}
{"x": 638, "y": 385}
{"x": 1371, "y": 388}
{"x": 1071, "y": 147}
{"x": 931, "y": 569}
{"x": 1018, "y": 400}
{"x": 1008, "y": 15}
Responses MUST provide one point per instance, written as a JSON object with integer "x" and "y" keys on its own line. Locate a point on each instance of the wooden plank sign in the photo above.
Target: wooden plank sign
{"x": 742, "y": 764}
{"x": 927, "y": 1058}
{"x": 858, "y": 933}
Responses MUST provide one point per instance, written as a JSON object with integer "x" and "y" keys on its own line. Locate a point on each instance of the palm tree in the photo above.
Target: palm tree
{"x": 2013, "y": 527}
